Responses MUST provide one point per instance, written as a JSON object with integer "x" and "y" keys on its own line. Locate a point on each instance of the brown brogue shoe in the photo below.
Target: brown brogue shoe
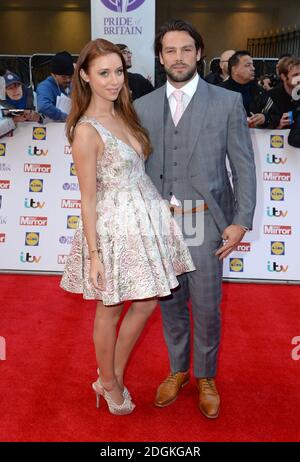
{"x": 168, "y": 390}
{"x": 209, "y": 398}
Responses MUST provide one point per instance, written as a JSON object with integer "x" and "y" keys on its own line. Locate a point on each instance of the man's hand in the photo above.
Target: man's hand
{"x": 232, "y": 235}
{"x": 256, "y": 120}
{"x": 284, "y": 121}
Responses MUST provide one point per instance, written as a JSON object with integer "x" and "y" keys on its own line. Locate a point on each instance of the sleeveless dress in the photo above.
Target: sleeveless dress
{"x": 140, "y": 244}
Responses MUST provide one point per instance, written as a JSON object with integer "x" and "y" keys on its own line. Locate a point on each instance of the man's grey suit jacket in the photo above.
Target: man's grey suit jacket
{"x": 218, "y": 129}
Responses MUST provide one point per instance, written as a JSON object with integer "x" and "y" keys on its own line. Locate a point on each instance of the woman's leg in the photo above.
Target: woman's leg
{"x": 105, "y": 325}
{"x": 130, "y": 330}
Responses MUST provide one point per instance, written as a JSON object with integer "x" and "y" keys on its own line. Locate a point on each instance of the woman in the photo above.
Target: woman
{"x": 128, "y": 247}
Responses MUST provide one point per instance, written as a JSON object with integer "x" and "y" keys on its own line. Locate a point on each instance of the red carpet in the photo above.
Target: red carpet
{"x": 45, "y": 392}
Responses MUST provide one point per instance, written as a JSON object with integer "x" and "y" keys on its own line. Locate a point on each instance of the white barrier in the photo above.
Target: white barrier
{"x": 40, "y": 206}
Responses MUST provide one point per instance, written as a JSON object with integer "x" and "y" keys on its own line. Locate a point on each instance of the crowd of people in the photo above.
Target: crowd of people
{"x": 269, "y": 100}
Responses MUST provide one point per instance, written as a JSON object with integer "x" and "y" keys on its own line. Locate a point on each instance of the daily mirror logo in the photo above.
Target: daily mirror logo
{"x": 122, "y": 6}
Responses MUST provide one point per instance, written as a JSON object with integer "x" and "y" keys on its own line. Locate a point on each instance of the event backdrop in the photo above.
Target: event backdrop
{"x": 40, "y": 206}
{"x": 131, "y": 22}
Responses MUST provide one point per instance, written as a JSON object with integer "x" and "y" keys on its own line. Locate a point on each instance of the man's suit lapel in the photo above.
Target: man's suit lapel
{"x": 199, "y": 110}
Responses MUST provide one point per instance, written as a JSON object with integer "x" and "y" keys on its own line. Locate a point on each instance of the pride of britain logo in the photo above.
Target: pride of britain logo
{"x": 122, "y": 6}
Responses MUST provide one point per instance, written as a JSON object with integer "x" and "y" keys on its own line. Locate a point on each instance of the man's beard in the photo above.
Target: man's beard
{"x": 183, "y": 77}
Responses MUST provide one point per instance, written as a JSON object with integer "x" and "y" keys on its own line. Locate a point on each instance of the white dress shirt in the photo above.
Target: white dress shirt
{"x": 188, "y": 89}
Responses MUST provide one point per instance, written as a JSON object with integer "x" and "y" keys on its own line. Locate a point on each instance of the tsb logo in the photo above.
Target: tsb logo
{"x": 32, "y": 239}
{"x": 36, "y": 185}
{"x": 72, "y": 221}
{"x": 39, "y": 133}
{"x": 236, "y": 265}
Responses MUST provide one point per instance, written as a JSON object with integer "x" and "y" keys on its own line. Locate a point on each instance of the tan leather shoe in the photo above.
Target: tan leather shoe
{"x": 168, "y": 390}
{"x": 209, "y": 398}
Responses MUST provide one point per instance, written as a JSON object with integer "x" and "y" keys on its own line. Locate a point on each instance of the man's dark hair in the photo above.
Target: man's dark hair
{"x": 181, "y": 26}
{"x": 235, "y": 59}
{"x": 122, "y": 46}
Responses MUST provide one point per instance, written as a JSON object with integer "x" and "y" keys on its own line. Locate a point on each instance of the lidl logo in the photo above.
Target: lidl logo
{"x": 2, "y": 149}
{"x": 72, "y": 221}
{"x": 276, "y": 141}
{"x": 32, "y": 239}
{"x": 72, "y": 169}
{"x": 36, "y": 185}
{"x": 277, "y": 194}
{"x": 277, "y": 248}
{"x": 236, "y": 265}
{"x": 39, "y": 133}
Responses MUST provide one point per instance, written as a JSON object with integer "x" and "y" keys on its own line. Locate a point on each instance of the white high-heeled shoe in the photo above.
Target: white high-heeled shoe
{"x": 126, "y": 393}
{"x": 127, "y": 407}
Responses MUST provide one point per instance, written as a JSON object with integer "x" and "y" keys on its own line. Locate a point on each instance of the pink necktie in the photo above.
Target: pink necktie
{"x": 178, "y": 95}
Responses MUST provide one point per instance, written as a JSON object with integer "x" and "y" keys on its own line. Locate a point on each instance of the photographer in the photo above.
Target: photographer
{"x": 18, "y": 96}
{"x": 10, "y": 116}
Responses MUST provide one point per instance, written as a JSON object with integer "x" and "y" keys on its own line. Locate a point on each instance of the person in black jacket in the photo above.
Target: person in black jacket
{"x": 139, "y": 85}
{"x": 260, "y": 108}
{"x": 222, "y": 72}
{"x": 282, "y": 94}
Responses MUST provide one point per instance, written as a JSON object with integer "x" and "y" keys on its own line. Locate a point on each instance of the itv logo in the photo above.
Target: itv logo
{"x": 30, "y": 203}
{"x": 35, "y": 151}
{"x": 274, "y": 212}
{"x": 272, "y": 266}
{"x": 27, "y": 258}
{"x": 273, "y": 159}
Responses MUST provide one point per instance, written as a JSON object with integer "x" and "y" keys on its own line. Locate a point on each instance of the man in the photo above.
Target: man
{"x": 289, "y": 73}
{"x": 139, "y": 86}
{"x": 52, "y": 93}
{"x": 188, "y": 163}
{"x": 222, "y": 74}
{"x": 259, "y": 106}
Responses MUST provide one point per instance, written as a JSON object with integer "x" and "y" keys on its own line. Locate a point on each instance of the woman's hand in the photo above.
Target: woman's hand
{"x": 97, "y": 276}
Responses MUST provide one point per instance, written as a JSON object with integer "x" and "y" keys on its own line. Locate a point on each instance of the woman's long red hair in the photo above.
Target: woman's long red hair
{"x": 81, "y": 94}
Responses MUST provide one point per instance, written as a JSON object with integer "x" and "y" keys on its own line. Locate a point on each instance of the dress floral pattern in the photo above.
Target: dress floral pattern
{"x": 141, "y": 245}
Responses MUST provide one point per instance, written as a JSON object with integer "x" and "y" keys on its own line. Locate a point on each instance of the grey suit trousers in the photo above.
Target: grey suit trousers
{"x": 203, "y": 287}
